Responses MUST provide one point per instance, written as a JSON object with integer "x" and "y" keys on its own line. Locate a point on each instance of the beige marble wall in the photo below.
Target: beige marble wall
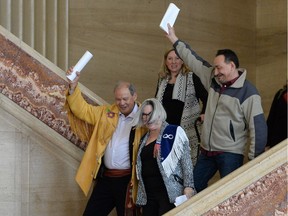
{"x": 37, "y": 178}
{"x": 271, "y": 49}
{"x": 128, "y": 44}
{"x": 41, "y": 24}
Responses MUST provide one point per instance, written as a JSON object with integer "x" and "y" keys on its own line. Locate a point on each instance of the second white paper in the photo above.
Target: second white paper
{"x": 169, "y": 17}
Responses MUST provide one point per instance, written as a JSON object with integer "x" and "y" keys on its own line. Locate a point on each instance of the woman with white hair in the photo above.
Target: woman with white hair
{"x": 164, "y": 167}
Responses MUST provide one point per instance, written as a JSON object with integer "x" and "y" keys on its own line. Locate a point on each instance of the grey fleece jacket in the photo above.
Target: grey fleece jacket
{"x": 232, "y": 116}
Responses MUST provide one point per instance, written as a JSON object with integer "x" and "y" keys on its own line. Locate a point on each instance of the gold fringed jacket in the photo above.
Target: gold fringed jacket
{"x": 96, "y": 125}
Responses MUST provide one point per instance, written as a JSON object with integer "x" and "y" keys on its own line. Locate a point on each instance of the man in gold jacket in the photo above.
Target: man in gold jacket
{"x": 111, "y": 144}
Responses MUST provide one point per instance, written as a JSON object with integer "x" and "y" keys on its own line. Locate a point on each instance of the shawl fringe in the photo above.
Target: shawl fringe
{"x": 171, "y": 161}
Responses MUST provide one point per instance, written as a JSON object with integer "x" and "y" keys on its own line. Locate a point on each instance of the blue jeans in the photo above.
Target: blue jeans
{"x": 207, "y": 166}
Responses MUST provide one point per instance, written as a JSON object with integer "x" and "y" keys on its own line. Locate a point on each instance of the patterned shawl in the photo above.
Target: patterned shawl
{"x": 184, "y": 90}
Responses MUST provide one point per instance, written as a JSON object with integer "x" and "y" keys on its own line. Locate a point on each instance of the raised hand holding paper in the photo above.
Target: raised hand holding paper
{"x": 80, "y": 65}
{"x": 169, "y": 17}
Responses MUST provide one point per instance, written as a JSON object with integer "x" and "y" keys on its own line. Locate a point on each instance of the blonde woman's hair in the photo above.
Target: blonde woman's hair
{"x": 165, "y": 72}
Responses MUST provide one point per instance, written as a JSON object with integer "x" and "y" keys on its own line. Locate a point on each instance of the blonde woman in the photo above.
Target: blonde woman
{"x": 180, "y": 91}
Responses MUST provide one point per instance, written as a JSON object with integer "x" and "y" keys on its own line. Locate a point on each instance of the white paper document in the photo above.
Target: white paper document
{"x": 169, "y": 17}
{"x": 80, "y": 65}
{"x": 180, "y": 199}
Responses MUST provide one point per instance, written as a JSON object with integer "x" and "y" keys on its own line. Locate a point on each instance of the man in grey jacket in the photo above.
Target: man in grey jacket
{"x": 233, "y": 112}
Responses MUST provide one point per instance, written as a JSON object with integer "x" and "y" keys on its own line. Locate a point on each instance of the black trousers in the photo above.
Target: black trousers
{"x": 157, "y": 204}
{"x": 109, "y": 192}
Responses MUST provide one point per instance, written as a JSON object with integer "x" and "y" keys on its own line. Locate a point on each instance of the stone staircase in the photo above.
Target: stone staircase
{"x": 31, "y": 103}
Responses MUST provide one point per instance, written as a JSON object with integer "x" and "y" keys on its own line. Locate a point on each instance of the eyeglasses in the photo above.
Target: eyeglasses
{"x": 146, "y": 114}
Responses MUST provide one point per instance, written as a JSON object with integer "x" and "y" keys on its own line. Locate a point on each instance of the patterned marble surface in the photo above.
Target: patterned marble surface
{"x": 35, "y": 88}
{"x": 266, "y": 197}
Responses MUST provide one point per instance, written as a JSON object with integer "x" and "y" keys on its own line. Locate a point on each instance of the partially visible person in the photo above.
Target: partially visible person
{"x": 233, "y": 115}
{"x": 112, "y": 148}
{"x": 277, "y": 118}
{"x": 164, "y": 166}
{"x": 180, "y": 91}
